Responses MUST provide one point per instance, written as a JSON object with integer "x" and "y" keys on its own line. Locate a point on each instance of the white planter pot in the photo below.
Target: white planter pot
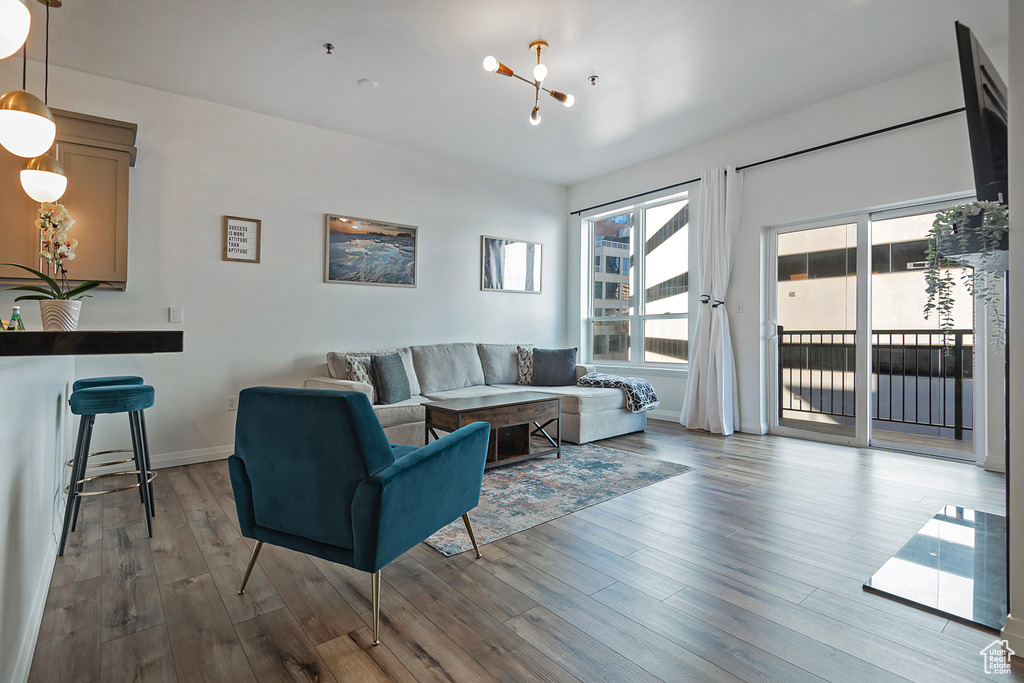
{"x": 60, "y": 315}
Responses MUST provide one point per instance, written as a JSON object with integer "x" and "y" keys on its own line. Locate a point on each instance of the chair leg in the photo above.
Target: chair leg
{"x": 376, "y": 606}
{"x": 76, "y": 464}
{"x": 472, "y": 537}
{"x": 149, "y": 465}
{"x": 252, "y": 562}
{"x": 83, "y": 463}
{"x": 140, "y": 461}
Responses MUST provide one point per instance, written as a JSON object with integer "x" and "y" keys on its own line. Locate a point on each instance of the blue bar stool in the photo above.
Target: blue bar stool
{"x": 88, "y": 402}
{"x": 116, "y": 380}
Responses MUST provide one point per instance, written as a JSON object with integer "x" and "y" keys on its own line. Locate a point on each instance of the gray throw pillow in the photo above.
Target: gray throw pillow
{"x": 554, "y": 367}
{"x": 389, "y": 378}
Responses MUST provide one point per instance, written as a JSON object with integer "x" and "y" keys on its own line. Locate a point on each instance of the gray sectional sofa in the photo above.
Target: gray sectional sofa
{"x": 440, "y": 372}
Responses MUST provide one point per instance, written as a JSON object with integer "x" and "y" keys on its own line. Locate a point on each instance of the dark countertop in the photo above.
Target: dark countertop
{"x": 90, "y": 343}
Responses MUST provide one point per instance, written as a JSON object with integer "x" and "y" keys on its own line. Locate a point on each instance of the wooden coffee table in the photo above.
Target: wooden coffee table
{"x": 519, "y": 422}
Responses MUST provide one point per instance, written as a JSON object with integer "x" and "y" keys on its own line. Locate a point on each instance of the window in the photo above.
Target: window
{"x": 640, "y": 278}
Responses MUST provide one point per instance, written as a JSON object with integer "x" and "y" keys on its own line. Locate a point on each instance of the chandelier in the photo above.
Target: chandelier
{"x": 540, "y": 72}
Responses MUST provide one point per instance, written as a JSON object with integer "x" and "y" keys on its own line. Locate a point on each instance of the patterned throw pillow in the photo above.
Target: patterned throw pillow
{"x": 524, "y": 365}
{"x": 358, "y": 368}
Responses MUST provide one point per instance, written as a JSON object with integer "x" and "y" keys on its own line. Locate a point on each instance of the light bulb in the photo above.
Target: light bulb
{"x": 43, "y": 179}
{"x": 26, "y": 124}
{"x": 535, "y": 117}
{"x": 569, "y": 101}
{"x": 15, "y": 21}
{"x": 490, "y": 64}
{"x": 540, "y": 72}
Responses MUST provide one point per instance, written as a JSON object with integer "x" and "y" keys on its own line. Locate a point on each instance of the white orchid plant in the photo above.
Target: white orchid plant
{"x": 54, "y": 223}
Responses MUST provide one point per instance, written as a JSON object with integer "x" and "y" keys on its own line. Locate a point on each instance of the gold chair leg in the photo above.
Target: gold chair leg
{"x": 376, "y": 606}
{"x": 469, "y": 528}
{"x": 252, "y": 563}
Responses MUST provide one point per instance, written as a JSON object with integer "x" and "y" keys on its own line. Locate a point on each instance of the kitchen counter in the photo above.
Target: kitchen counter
{"x": 89, "y": 342}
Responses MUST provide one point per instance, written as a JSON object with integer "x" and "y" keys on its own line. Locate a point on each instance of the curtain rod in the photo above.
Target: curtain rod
{"x": 780, "y": 158}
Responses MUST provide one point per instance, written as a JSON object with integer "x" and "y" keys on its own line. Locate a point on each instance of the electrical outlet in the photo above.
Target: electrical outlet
{"x": 232, "y": 403}
{"x": 175, "y": 314}
{"x": 741, "y": 306}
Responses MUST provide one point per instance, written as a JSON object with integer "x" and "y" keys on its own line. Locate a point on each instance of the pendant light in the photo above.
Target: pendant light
{"x": 15, "y": 21}
{"x": 43, "y": 178}
{"x": 27, "y": 128}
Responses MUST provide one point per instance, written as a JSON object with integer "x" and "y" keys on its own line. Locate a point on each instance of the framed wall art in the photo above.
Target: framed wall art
{"x": 508, "y": 265}
{"x": 241, "y": 240}
{"x": 359, "y": 251}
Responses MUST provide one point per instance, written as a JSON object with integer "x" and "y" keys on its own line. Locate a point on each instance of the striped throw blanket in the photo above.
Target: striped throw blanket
{"x": 639, "y": 393}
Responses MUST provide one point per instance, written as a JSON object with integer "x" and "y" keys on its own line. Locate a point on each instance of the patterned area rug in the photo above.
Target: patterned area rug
{"x": 520, "y": 496}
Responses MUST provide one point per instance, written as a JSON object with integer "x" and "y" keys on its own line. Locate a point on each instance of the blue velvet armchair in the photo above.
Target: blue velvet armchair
{"x": 313, "y": 472}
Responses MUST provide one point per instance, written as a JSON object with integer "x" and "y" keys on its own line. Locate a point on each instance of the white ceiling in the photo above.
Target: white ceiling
{"x": 672, "y": 72}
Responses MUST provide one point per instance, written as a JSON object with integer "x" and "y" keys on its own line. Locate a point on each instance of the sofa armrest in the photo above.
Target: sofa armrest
{"x": 584, "y": 369}
{"x": 340, "y": 385}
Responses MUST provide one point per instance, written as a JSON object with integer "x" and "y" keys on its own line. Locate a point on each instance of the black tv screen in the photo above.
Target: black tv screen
{"x": 986, "y": 104}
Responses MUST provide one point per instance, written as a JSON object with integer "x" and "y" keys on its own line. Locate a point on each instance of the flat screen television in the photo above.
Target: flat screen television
{"x": 986, "y": 104}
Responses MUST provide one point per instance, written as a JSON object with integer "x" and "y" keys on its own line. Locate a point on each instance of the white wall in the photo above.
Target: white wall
{"x": 919, "y": 162}
{"x": 274, "y": 322}
{"x": 1014, "y": 631}
{"x": 33, "y": 448}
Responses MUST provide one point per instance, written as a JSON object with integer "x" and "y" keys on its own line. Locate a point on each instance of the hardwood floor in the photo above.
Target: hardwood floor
{"x": 749, "y": 568}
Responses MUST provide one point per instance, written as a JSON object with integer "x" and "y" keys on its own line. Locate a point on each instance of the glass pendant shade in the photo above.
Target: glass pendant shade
{"x": 43, "y": 179}
{"x": 15, "y": 21}
{"x": 27, "y": 128}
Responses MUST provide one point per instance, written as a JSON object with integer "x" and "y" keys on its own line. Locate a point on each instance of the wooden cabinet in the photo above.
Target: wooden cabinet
{"x": 96, "y": 154}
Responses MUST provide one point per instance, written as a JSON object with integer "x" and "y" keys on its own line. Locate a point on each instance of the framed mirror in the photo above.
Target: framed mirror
{"x": 508, "y": 265}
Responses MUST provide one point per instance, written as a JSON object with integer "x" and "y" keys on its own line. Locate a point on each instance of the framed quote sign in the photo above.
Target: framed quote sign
{"x": 241, "y": 239}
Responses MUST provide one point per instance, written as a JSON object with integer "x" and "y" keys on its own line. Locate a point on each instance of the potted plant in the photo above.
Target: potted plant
{"x": 59, "y": 302}
{"x": 972, "y": 237}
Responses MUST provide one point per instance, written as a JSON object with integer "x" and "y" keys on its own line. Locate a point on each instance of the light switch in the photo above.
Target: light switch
{"x": 175, "y": 314}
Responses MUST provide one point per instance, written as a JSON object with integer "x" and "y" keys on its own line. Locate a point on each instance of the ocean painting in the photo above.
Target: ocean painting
{"x": 367, "y": 252}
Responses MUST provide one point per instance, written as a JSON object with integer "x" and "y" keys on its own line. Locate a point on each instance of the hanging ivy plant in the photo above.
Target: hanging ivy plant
{"x": 969, "y": 237}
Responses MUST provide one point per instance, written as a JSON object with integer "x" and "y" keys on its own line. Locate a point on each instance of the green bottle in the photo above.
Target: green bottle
{"x": 15, "y": 324}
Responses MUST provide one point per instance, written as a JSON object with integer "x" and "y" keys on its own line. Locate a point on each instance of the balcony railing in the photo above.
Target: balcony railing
{"x": 916, "y": 379}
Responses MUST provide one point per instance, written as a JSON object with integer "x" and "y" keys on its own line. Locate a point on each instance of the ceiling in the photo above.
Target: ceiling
{"x": 672, "y": 72}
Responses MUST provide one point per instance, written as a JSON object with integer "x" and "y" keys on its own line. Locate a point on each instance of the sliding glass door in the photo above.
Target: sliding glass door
{"x": 852, "y": 358}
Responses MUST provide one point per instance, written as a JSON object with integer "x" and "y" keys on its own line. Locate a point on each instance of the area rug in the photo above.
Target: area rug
{"x": 523, "y": 495}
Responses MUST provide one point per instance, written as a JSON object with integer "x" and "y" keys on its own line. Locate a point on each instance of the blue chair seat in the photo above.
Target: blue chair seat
{"x": 112, "y": 399}
{"x": 116, "y": 380}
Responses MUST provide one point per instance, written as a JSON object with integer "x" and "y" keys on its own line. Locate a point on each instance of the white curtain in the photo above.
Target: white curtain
{"x": 711, "y": 402}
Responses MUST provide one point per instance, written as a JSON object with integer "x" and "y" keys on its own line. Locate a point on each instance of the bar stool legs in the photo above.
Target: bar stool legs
{"x": 79, "y": 465}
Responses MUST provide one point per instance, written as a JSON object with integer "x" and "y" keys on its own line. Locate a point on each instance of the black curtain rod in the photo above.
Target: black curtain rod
{"x": 780, "y": 158}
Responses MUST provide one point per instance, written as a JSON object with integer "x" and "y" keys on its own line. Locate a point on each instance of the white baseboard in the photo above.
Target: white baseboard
{"x": 23, "y": 665}
{"x": 759, "y": 428}
{"x": 164, "y": 460}
{"x": 1013, "y": 634}
{"x": 663, "y": 415}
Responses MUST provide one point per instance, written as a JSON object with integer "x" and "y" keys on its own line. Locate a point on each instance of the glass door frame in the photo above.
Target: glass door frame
{"x": 862, "y": 352}
{"x": 863, "y": 334}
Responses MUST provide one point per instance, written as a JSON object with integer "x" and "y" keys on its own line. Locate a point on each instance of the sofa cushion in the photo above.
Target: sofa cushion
{"x": 554, "y": 367}
{"x": 499, "y": 362}
{"x": 336, "y": 364}
{"x": 403, "y": 412}
{"x": 470, "y": 392}
{"x": 580, "y": 399}
{"x": 389, "y": 378}
{"x": 440, "y": 367}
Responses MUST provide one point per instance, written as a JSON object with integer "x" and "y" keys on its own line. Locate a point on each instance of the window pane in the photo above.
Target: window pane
{"x": 666, "y": 254}
{"x": 610, "y": 340}
{"x": 666, "y": 341}
{"x": 613, "y": 249}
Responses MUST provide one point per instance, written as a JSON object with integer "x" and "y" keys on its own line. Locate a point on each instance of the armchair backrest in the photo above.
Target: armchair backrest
{"x": 305, "y": 452}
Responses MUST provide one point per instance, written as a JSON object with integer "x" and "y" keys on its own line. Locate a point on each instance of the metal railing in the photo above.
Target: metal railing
{"x": 916, "y": 378}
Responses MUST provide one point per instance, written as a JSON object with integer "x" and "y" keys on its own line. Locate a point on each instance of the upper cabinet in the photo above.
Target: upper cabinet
{"x": 96, "y": 154}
